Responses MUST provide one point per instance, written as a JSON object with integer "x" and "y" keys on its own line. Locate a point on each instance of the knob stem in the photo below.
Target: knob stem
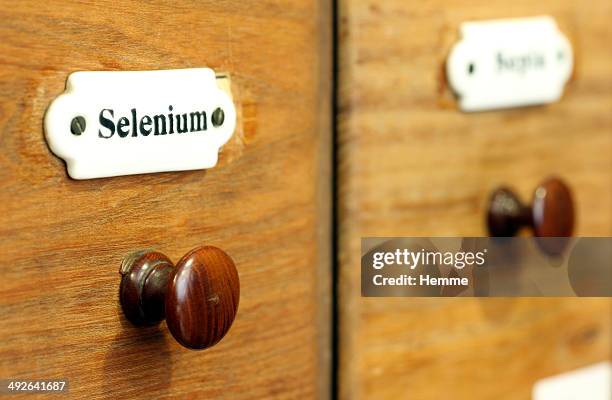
{"x": 144, "y": 282}
{"x": 507, "y": 215}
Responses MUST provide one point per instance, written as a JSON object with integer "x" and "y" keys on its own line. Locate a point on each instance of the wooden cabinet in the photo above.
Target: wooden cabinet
{"x": 407, "y": 163}
{"x": 266, "y": 204}
{"x": 411, "y": 164}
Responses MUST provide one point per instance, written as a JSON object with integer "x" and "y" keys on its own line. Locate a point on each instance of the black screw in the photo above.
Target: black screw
{"x": 471, "y": 68}
{"x": 218, "y": 116}
{"x": 77, "y": 126}
{"x": 560, "y": 55}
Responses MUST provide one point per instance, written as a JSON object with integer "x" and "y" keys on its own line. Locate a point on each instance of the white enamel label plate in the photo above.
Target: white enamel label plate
{"x": 134, "y": 122}
{"x": 509, "y": 63}
{"x": 593, "y": 383}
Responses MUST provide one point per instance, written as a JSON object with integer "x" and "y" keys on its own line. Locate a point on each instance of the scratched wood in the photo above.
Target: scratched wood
{"x": 266, "y": 203}
{"x": 411, "y": 164}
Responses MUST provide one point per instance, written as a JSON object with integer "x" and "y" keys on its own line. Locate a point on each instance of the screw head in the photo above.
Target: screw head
{"x": 471, "y": 68}
{"x": 77, "y": 126}
{"x": 218, "y": 116}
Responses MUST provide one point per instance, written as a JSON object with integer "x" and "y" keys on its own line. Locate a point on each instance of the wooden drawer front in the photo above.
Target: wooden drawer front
{"x": 265, "y": 204}
{"x": 411, "y": 164}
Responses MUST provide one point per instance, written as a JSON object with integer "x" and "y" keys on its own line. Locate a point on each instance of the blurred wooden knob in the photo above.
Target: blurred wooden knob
{"x": 551, "y": 213}
{"x": 198, "y": 298}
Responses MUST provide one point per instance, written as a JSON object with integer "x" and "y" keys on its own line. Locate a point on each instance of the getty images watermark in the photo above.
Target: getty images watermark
{"x": 482, "y": 266}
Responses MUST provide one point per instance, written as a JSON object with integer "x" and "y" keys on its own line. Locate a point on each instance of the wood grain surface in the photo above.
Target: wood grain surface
{"x": 411, "y": 164}
{"x": 266, "y": 204}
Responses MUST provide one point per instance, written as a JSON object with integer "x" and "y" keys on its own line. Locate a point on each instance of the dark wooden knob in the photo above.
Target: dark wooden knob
{"x": 198, "y": 298}
{"x": 551, "y": 213}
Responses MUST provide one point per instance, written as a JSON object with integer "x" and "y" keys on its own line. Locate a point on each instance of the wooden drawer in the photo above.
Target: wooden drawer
{"x": 408, "y": 164}
{"x": 266, "y": 203}
{"x": 411, "y": 164}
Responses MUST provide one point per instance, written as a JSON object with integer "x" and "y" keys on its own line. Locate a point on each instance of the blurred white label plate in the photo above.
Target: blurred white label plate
{"x": 509, "y": 63}
{"x": 132, "y": 122}
{"x": 593, "y": 383}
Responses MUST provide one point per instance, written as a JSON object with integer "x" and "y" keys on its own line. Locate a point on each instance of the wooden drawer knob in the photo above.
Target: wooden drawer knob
{"x": 198, "y": 298}
{"x": 551, "y": 213}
